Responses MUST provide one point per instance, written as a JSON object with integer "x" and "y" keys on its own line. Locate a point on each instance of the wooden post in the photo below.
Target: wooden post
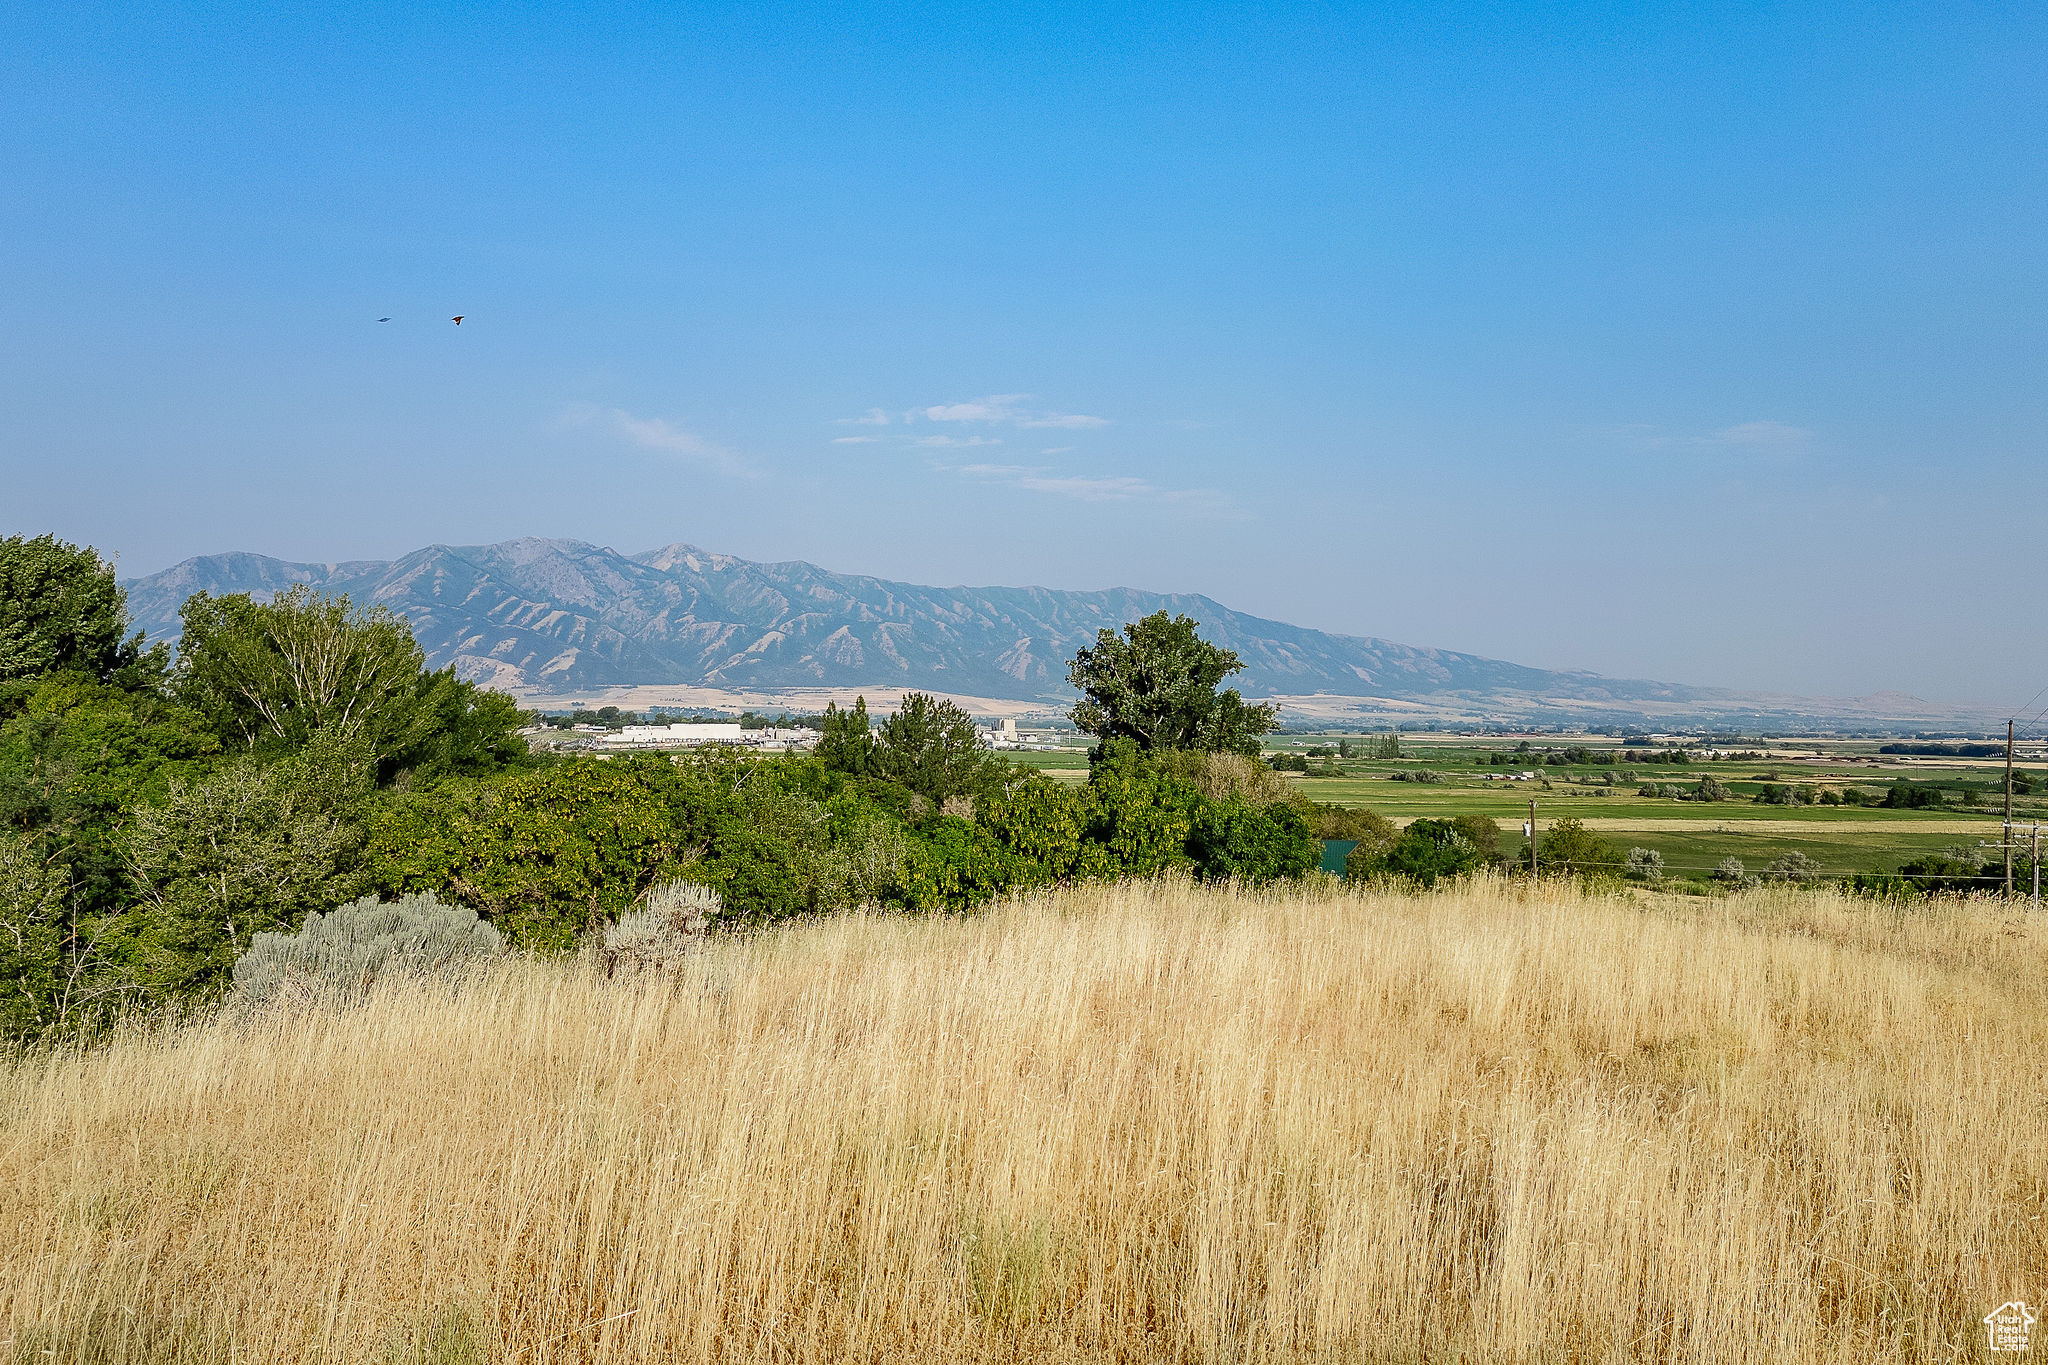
{"x": 2007, "y": 841}
{"x": 1532, "y": 836}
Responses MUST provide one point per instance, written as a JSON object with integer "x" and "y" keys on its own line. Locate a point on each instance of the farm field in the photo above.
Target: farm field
{"x": 1144, "y": 1121}
{"x": 1693, "y": 837}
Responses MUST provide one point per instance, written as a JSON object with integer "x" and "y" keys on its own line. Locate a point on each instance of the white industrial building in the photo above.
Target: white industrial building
{"x": 683, "y": 732}
{"x": 691, "y": 733}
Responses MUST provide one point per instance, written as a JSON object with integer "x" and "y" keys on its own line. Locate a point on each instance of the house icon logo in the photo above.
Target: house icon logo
{"x": 2007, "y": 1325}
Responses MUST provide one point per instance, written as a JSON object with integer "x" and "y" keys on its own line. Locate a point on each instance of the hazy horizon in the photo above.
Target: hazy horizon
{"x": 1698, "y": 346}
{"x": 135, "y": 579}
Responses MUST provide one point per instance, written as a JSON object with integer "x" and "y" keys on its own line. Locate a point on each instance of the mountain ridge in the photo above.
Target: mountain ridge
{"x": 554, "y": 617}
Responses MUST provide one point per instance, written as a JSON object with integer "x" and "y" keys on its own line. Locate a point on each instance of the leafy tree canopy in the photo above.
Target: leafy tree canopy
{"x": 1568, "y": 846}
{"x": 1427, "y": 851}
{"x": 1156, "y": 685}
{"x": 845, "y": 743}
{"x": 932, "y": 747}
{"x": 268, "y": 676}
{"x": 61, "y": 609}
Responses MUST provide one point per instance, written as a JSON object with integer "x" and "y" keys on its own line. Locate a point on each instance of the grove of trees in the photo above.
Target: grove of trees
{"x": 158, "y": 813}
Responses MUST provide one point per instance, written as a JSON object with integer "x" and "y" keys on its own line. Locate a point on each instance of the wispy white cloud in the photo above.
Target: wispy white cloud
{"x": 1072, "y": 420}
{"x": 652, "y": 433}
{"x": 997, "y": 407}
{"x": 943, "y": 442}
{"x": 1764, "y": 436}
{"x": 1007, "y": 409}
{"x": 874, "y": 417}
{"x": 855, "y": 440}
{"x": 1096, "y": 487}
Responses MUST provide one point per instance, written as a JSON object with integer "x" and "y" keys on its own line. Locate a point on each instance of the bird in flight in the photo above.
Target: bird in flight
{"x": 458, "y": 318}
{"x": 383, "y": 319}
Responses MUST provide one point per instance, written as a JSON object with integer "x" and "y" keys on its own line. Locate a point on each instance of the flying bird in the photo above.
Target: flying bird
{"x": 383, "y": 319}
{"x": 458, "y": 318}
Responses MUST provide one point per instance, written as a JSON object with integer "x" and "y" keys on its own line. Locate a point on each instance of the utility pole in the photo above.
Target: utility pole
{"x": 2008, "y": 810}
{"x": 1532, "y": 836}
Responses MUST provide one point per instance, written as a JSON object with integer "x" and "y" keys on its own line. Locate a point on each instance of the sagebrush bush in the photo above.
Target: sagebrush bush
{"x": 346, "y": 950}
{"x": 1646, "y": 864}
{"x": 655, "y": 938}
{"x": 1794, "y": 867}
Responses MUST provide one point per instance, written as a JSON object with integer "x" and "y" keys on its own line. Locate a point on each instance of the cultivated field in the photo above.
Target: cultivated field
{"x": 1143, "y": 1122}
{"x": 1694, "y": 836}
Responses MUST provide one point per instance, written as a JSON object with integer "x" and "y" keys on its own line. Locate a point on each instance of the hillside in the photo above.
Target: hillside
{"x": 560, "y": 617}
{"x": 1137, "y": 1122}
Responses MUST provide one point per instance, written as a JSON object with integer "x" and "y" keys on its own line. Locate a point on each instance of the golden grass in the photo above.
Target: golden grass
{"x": 1143, "y": 1122}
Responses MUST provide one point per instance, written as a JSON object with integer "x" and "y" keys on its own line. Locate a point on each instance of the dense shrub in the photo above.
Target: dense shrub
{"x": 1251, "y": 843}
{"x": 1043, "y": 823}
{"x": 1568, "y": 846}
{"x": 546, "y": 856}
{"x": 1731, "y": 873}
{"x": 1427, "y": 852}
{"x": 253, "y": 847}
{"x": 1355, "y": 823}
{"x": 1644, "y": 864}
{"x": 1141, "y": 814}
{"x": 347, "y": 950}
{"x": 1793, "y": 867}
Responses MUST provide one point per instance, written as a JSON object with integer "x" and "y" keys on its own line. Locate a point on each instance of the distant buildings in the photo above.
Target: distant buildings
{"x": 688, "y": 734}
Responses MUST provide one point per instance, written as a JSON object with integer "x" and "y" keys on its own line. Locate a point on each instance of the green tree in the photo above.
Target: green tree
{"x": 1482, "y": 832}
{"x": 845, "y": 743}
{"x": 269, "y": 675}
{"x": 61, "y": 610}
{"x": 75, "y": 760}
{"x": 932, "y": 747}
{"x": 1140, "y": 814}
{"x": 252, "y": 847}
{"x": 1042, "y": 823}
{"x": 1156, "y": 685}
{"x": 32, "y": 933}
{"x": 1568, "y": 846}
{"x": 1427, "y": 852}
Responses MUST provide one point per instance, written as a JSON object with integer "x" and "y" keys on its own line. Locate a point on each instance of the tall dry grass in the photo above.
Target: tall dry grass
{"x": 1147, "y": 1122}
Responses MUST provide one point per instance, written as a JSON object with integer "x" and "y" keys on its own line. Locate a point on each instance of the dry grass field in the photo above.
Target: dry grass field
{"x": 1134, "y": 1123}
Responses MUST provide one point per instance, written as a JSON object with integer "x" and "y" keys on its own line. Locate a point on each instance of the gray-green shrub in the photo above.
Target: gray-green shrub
{"x": 1794, "y": 867}
{"x": 656, "y": 937}
{"x": 348, "y": 949}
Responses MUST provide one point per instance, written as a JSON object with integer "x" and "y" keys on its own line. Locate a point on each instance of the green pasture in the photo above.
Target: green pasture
{"x": 1692, "y": 836}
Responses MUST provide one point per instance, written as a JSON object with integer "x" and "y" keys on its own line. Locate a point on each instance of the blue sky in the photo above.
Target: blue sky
{"x": 1694, "y": 342}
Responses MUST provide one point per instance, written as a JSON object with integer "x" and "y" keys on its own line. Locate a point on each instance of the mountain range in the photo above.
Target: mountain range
{"x": 549, "y": 619}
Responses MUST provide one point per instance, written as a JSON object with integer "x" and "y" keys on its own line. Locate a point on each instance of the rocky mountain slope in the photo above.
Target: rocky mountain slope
{"x": 555, "y": 617}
